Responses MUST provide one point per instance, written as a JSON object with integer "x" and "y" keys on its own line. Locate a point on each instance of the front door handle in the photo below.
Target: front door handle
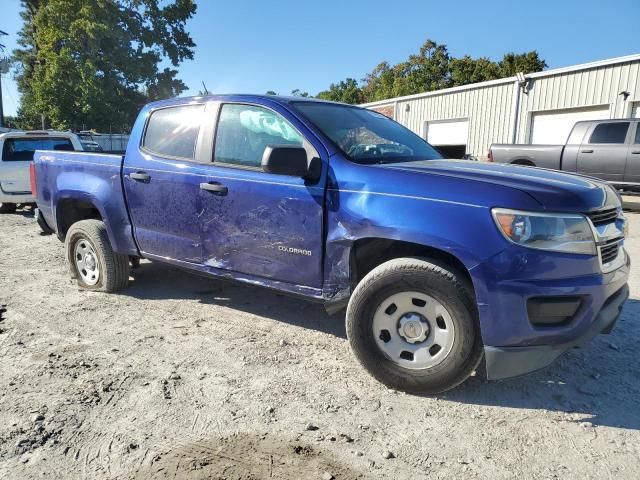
{"x": 214, "y": 187}
{"x": 587, "y": 151}
{"x": 635, "y": 152}
{"x": 140, "y": 177}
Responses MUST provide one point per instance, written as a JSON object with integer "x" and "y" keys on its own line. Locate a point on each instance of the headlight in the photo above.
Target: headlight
{"x": 556, "y": 232}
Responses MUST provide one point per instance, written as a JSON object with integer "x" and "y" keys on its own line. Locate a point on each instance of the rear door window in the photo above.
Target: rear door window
{"x": 22, "y": 149}
{"x": 173, "y": 131}
{"x": 612, "y": 133}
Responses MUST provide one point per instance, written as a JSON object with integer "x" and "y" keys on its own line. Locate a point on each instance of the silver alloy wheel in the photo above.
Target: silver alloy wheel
{"x": 86, "y": 261}
{"x": 413, "y": 330}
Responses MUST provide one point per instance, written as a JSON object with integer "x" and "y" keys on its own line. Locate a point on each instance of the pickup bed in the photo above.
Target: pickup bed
{"x": 441, "y": 264}
{"x": 605, "y": 149}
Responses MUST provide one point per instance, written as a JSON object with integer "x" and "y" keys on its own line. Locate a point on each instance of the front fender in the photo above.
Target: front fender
{"x": 464, "y": 231}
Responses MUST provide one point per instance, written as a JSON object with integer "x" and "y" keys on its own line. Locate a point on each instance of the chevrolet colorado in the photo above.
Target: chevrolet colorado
{"x": 440, "y": 264}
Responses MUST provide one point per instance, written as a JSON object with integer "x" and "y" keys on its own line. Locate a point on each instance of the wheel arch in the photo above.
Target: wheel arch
{"x": 367, "y": 253}
{"x": 74, "y": 207}
{"x": 524, "y": 162}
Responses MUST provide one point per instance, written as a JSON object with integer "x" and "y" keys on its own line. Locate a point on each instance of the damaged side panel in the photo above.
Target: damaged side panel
{"x": 266, "y": 225}
{"x": 363, "y": 204}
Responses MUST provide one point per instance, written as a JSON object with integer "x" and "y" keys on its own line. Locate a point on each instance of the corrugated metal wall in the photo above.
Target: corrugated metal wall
{"x": 593, "y": 87}
{"x": 489, "y": 108}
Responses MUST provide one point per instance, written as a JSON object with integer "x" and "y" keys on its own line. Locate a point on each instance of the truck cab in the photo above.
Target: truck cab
{"x": 606, "y": 149}
{"x": 17, "y": 150}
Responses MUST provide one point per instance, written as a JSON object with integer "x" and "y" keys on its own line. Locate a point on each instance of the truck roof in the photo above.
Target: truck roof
{"x": 241, "y": 97}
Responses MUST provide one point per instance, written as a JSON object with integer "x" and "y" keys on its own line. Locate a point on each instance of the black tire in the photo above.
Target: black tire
{"x": 432, "y": 278}
{"x": 113, "y": 267}
{"x": 8, "y": 207}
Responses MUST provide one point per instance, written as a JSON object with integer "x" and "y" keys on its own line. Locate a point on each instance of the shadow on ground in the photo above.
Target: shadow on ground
{"x": 598, "y": 382}
{"x": 155, "y": 281}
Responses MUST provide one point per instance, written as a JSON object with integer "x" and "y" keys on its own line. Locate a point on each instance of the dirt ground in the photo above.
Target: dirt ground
{"x": 185, "y": 377}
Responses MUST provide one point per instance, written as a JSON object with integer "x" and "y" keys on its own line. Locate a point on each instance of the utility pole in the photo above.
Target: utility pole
{"x": 4, "y": 66}
{"x": 1, "y": 109}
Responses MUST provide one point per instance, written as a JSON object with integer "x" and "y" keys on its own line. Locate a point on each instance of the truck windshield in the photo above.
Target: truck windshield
{"x": 365, "y": 136}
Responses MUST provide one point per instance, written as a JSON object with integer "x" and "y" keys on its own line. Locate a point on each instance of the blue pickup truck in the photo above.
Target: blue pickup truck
{"x": 443, "y": 266}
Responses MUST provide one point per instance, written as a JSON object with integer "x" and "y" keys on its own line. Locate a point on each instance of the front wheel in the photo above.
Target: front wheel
{"x": 8, "y": 207}
{"x": 92, "y": 260}
{"x": 413, "y": 325}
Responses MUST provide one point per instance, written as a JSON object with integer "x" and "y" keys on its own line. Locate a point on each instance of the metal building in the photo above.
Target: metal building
{"x": 534, "y": 108}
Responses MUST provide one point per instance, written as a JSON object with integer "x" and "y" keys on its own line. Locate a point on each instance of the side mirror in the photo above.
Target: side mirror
{"x": 286, "y": 160}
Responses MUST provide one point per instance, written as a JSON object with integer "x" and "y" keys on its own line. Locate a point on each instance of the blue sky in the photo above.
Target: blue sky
{"x": 252, "y": 47}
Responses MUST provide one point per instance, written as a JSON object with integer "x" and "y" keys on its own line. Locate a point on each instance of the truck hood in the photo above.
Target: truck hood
{"x": 554, "y": 190}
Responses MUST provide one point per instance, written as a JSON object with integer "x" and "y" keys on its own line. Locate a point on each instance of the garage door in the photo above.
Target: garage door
{"x": 553, "y": 126}
{"x": 449, "y": 136}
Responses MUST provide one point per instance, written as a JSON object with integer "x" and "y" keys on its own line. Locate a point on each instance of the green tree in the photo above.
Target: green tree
{"x": 432, "y": 68}
{"x": 271, "y": 92}
{"x": 427, "y": 71}
{"x": 299, "y": 93}
{"x": 11, "y": 122}
{"x": 347, "y": 91}
{"x": 467, "y": 70}
{"x": 94, "y": 63}
{"x": 528, "y": 62}
{"x": 381, "y": 83}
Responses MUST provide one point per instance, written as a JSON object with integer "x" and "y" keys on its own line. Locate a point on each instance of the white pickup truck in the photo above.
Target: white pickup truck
{"x": 17, "y": 149}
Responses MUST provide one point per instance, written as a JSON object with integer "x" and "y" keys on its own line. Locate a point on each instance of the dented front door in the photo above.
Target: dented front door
{"x": 257, "y": 223}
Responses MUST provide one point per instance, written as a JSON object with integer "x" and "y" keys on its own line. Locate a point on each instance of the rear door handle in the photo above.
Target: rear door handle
{"x": 140, "y": 177}
{"x": 587, "y": 151}
{"x": 635, "y": 152}
{"x": 214, "y": 187}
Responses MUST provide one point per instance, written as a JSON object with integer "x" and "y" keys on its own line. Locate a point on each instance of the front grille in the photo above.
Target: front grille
{"x": 609, "y": 250}
{"x": 603, "y": 216}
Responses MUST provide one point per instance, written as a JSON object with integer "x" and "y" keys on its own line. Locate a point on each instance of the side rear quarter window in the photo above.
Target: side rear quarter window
{"x": 245, "y": 131}
{"x": 173, "y": 131}
{"x": 614, "y": 132}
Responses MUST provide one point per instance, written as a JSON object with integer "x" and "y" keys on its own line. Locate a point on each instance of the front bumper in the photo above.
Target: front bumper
{"x": 505, "y": 362}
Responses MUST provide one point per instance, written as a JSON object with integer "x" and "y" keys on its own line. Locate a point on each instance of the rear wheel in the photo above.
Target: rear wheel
{"x": 93, "y": 262}
{"x": 8, "y": 207}
{"x": 413, "y": 325}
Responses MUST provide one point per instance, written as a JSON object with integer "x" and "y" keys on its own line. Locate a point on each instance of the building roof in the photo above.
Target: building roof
{"x": 500, "y": 81}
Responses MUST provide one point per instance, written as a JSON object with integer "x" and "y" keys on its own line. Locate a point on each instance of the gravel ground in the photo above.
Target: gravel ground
{"x": 185, "y": 377}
